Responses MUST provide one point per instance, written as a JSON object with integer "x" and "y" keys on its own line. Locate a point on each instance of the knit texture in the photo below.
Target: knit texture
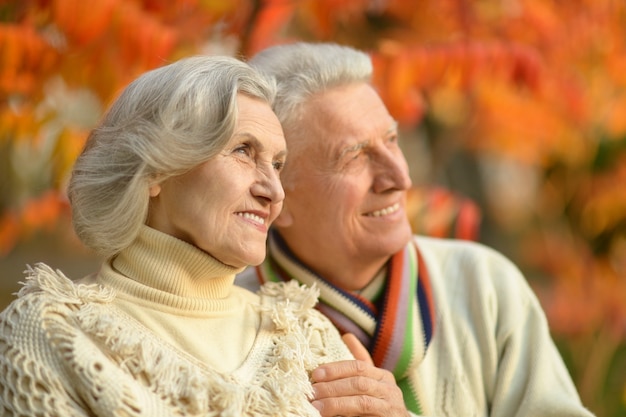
{"x": 491, "y": 353}
{"x": 67, "y": 349}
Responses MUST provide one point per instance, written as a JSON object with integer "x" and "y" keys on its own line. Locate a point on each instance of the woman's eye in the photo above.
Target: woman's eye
{"x": 278, "y": 165}
{"x": 243, "y": 149}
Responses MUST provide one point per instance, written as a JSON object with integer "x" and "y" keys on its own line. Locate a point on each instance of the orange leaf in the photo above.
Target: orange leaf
{"x": 398, "y": 87}
{"x": 144, "y": 41}
{"x": 435, "y": 211}
{"x": 42, "y": 212}
{"x": 270, "y": 20}
{"x": 9, "y": 232}
{"x": 84, "y": 21}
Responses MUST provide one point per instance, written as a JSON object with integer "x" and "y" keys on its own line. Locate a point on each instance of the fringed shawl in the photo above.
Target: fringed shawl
{"x": 66, "y": 350}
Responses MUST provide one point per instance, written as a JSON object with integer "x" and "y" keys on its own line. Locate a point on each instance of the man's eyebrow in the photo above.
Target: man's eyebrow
{"x": 393, "y": 128}
{"x": 353, "y": 148}
{"x": 360, "y": 145}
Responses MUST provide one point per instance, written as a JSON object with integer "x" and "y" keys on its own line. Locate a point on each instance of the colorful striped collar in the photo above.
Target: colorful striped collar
{"x": 396, "y": 329}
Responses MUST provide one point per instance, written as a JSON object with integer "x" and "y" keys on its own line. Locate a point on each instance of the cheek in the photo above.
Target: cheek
{"x": 194, "y": 203}
{"x": 347, "y": 193}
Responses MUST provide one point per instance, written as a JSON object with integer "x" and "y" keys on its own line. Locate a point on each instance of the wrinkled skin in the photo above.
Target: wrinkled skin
{"x": 357, "y": 387}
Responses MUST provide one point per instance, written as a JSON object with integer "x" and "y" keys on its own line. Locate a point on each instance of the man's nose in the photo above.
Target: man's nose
{"x": 391, "y": 171}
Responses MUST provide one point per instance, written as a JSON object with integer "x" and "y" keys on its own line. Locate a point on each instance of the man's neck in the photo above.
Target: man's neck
{"x": 350, "y": 277}
{"x": 349, "y": 272}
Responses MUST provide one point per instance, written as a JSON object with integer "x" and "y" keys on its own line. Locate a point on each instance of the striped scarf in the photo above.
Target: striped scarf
{"x": 396, "y": 327}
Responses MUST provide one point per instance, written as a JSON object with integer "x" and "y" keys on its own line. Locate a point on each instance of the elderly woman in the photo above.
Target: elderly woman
{"x": 176, "y": 189}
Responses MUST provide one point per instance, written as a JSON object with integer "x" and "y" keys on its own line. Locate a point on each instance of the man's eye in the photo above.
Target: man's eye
{"x": 352, "y": 154}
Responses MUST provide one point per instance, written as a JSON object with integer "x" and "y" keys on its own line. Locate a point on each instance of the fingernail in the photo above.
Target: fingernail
{"x": 318, "y": 374}
{"x": 318, "y": 405}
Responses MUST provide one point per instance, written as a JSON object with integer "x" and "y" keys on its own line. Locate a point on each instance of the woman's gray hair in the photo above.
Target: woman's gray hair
{"x": 304, "y": 69}
{"x": 166, "y": 122}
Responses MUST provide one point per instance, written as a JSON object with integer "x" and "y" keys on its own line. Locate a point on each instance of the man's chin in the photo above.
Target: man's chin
{"x": 390, "y": 245}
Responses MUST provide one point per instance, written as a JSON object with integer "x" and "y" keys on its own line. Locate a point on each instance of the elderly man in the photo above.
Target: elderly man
{"x": 452, "y": 327}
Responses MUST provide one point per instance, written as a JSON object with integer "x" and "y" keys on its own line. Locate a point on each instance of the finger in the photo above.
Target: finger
{"x": 345, "y": 369}
{"x": 363, "y": 398}
{"x": 360, "y": 405}
{"x": 358, "y": 397}
{"x": 353, "y": 386}
{"x": 356, "y": 348}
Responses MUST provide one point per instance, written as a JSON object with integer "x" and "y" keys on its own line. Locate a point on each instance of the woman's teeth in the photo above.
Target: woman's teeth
{"x": 253, "y": 217}
{"x": 385, "y": 211}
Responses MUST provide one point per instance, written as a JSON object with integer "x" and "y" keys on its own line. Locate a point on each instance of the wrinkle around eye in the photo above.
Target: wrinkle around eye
{"x": 355, "y": 164}
{"x": 243, "y": 148}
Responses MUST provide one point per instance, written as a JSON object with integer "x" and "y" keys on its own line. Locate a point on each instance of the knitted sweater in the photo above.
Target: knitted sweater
{"x": 491, "y": 353}
{"x": 160, "y": 330}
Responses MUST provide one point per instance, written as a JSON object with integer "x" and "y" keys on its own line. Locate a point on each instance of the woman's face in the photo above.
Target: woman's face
{"x": 226, "y": 205}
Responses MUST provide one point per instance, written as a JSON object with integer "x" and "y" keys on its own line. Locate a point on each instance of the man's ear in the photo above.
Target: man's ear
{"x": 284, "y": 219}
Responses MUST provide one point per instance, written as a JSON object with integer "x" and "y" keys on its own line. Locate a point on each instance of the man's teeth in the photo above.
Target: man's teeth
{"x": 385, "y": 211}
{"x": 252, "y": 217}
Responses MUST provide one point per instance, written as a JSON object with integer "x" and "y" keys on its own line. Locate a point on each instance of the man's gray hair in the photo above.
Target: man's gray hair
{"x": 304, "y": 69}
{"x": 166, "y": 122}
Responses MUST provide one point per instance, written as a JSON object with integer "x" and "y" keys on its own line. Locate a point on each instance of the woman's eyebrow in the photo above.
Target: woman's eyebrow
{"x": 282, "y": 154}
{"x": 254, "y": 141}
{"x": 249, "y": 136}
{"x": 251, "y": 139}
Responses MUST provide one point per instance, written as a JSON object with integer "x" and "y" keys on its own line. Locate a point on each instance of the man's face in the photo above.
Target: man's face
{"x": 345, "y": 183}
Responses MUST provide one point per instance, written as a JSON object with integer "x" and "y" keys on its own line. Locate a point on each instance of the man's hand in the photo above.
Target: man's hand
{"x": 356, "y": 388}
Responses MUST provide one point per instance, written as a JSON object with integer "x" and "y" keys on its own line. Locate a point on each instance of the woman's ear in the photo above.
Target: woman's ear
{"x": 155, "y": 190}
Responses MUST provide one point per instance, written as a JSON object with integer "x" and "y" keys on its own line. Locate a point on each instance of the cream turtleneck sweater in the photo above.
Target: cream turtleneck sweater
{"x": 184, "y": 296}
{"x": 161, "y": 331}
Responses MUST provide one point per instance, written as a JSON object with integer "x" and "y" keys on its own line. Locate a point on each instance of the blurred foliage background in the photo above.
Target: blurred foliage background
{"x": 513, "y": 114}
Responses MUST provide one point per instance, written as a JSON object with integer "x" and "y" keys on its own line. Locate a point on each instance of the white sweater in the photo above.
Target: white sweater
{"x": 491, "y": 353}
{"x": 160, "y": 331}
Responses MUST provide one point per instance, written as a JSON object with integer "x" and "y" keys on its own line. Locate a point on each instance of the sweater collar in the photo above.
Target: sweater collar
{"x": 161, "y": 265}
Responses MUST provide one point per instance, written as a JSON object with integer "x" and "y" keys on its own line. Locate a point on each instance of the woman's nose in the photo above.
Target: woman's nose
{"x": 268, "y": 186}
